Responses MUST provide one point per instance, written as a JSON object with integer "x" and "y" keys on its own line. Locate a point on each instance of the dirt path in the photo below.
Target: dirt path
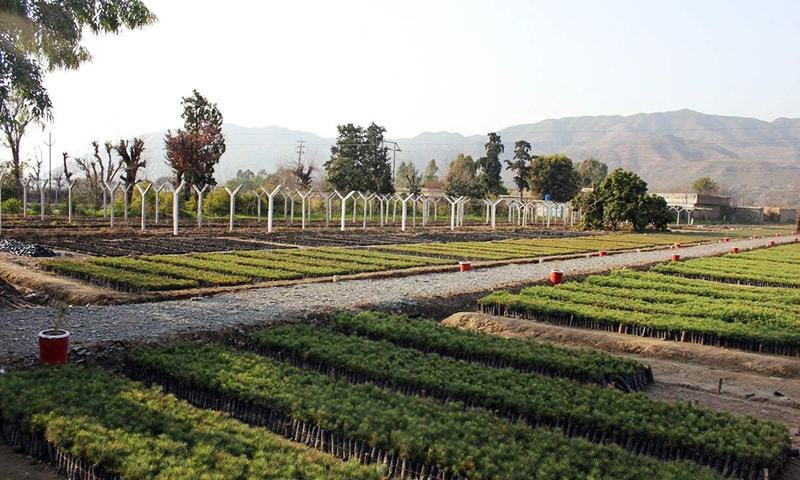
{"x": 15, "y": 466}
{"x": 106, "y": 324}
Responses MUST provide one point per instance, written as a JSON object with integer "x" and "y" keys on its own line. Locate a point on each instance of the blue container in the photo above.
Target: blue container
{"x": 547, "y": 197}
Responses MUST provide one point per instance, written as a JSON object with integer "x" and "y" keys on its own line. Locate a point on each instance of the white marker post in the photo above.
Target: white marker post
{"x": 111, "y": 192}
{"x": 365, "y": 198}
{"x": 200, "y": 192}
{"x": 176, "y": 191}
{"x": 70, "y": 186}
{"x": 232, "y": 195}
{"x": 143, "y": 193}
{"x": 344, "y": 199}
{"x": 493, "y": 205}
{"x": 303, "y": 197}
{"x": 270, "y": 203}
{"x": 404, "y": 202}
{"x": 453, "y": 201}
{"x": 42, "y": 186}
{"x": 25, "y": 197}
{"x": 158, "y": 194}
{"x": 125, "y": 201}
{"x": 328, "y": 197}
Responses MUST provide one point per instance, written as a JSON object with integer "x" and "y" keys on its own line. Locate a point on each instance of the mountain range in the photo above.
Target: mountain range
{"x": 755, "y": 161}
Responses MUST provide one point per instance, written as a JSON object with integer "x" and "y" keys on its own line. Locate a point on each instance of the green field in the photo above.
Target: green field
{"x": 203, "y": 270}
{"x": 723, "y": 301}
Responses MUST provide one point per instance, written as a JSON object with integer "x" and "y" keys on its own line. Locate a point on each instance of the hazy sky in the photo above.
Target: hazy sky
{"x": 414, "y": 66}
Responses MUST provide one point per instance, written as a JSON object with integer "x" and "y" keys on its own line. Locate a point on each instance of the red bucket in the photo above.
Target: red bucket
{"x": 734, "y": 249}
{"x": 464, "y": 266}
{"x": 676, "y": 258}
{"x": 726, "y": 239}
{"x": 771, "y": 243}
{"x": 556, "y": 276}
{"x": 601, "y": 253}
{"x": 53, "y": 347}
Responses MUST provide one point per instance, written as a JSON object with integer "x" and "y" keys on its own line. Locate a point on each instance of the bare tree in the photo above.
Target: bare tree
{"x": 303, "y": 173}
{"x": 91, "y": 170}
{"x": 131, "y": 155}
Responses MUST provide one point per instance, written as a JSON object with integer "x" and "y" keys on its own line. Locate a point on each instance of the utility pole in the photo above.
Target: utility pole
{"x": 49, "y": 144}
{"x": 300, "y": 149}
{"x": 394, "y": 148}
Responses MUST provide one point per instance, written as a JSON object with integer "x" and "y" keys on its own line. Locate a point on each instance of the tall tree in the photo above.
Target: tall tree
{"x": 194, "y": 151}
{"x": 131, "y": 161}
{"x": 431, "y": 174}
{"x": 375, "y": 163}
{"x": 360, "y": 160}
{"x": 460, "y": 178}
{"x": 591, "y": 172}
{"x": 489, "y": 168}
{"x": 16, "y": 114}
{"x": 37, "y": 35}
{"x": 520, "y": 165}
{"x": 553, "y": 175}
{"x": 705, "y": 186}
{"x": 342, "y": 168}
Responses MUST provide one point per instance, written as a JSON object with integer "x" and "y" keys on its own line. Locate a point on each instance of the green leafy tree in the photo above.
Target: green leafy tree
{"x": 705, "y": 186}
{"x": 621, "y": 198}
{"x": 554, "y": 175}
{"x": 342, "y": 168}
{"x": 16, "y": 114}
{"x": 489, "y": 168}
{"x": 359, "y": 160}
{"x": 431, "y": 174}
{"x": 375, "y": 164}
{"x": 408, "y": 177}
{"x": 460, "y": 178}
{"x": 591, "y": 172}
{"x": 194, "y": 151}
{"x": 40, "y": 35}
{"x": 520, "y": 165}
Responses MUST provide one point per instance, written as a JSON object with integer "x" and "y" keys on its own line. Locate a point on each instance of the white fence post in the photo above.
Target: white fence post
{"x": 142, "y": 193}
{"x": 200, "y": 192}
{"x": 158, "y": 193}
{"x": 111, "y": 192}
{"x": 303, "y": 197}
{"x": 176, "y": 191}
{"x": 344, "y": 199}
{"x": 42, "y": 184}
{"x": 25, "y": 197}
{"x": 232, "y": 194}
{"x": 453, "y": 201}
{"x": 70, "y": 186}
{"x": 270, "y": 202}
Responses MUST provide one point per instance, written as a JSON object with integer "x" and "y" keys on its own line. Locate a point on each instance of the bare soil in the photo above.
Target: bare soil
{"x": 16, "y": 466}
{"x": 23, "y": 273}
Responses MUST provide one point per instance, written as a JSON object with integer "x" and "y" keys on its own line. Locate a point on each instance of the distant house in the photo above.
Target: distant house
{"x": 691, "y": 206}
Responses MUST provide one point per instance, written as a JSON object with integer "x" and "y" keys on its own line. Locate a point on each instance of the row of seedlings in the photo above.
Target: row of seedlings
{"x": 92, "y": 425}
{"x": 415, "y": 437}
{"x": 737, "y": 446}
{"x": 654, "y": 305}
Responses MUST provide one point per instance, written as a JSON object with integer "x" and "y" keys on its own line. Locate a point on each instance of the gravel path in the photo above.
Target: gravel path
{"x": 137, "y": 321}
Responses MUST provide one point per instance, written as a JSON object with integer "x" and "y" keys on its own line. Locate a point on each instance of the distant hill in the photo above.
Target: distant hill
{"x": 754, "y": 160}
